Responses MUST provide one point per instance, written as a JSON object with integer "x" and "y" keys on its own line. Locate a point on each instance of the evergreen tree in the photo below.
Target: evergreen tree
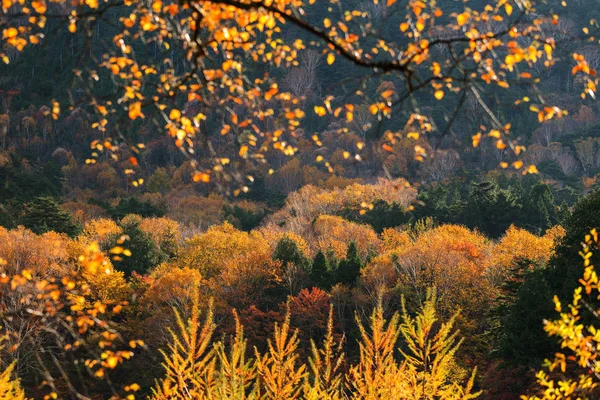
{"x": 519, "y": 315}
{"x": 44, "y": 215}
{"x": 287, "y": 252}
{"x": 442, "y": 203}
{"x": 132, "y": 205}
{"x": 490, "y": 209}
{"x": 382, "y": 216}
{"x": 349, "y": 268}
{"x": 242, "y": 218}
{"x": 320, "y": 273}
{"x": 540, "y": 210}
{"x": 159, "y": 182}
{"x": 145, "y": 254}
{"x": 563, "y": 213}
{"x": 565, "y": 266}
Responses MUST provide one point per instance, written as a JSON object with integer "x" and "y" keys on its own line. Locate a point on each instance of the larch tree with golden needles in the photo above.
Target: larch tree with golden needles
{"x": 428, "y": 369}
{"x": 10, "y": 389}
{"x": 208, "y": 80}
{"x": 190, "y": 362}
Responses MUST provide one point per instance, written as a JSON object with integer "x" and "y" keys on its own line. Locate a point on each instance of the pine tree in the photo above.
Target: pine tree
{"x": 44, "y": 215}
{"x": 320, "y": 273}
{"x": 287, "y": 251}
{"x": 349, "y": 268}
{"x": 145, "y": 254}
{"x": 564, "y": 212}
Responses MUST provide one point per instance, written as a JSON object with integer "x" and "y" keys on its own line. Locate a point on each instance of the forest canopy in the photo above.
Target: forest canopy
{"x": 299, "y": 199}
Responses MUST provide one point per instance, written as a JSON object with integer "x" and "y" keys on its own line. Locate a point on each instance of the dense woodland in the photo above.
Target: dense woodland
{"x": 290, "y": 199}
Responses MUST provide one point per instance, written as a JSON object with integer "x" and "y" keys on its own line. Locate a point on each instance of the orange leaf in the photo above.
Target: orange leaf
{"x": 387, "y": 94}
{"x": 135, "y": 110}
{"x": 201, "y": 177}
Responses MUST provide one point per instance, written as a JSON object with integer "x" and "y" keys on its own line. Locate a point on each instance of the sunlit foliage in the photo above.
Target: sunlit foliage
{"x": 440, "y": 51}
{"x": 60, "y": 315}
{"x": 427, "y": 368}
{"x": 573, "y": 371}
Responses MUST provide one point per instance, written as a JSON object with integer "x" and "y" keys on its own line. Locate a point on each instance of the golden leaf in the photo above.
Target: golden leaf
{"x": 201, "y": 177}
{"x": 462, "y": 19}
{"x": 135, "y": 110}
{"x": 330, "y": 58}
{"x": 175, "y": 114}
{"x": 320, "y": 111}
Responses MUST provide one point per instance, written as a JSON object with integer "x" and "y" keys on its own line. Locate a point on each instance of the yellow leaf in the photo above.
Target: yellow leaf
{"x": 135, "y": 110}
{"x": 518, "y": 164}
{"x": 227, "y": 65}
{"x": 320, "y": 111}
{"x": 404, "y": 26}
{"x": 175, "y": 114}
{"x": 112, "y": 362}
{"x": 349, "y": 116}
{"x": 532, "y": 169}
{"x": 462, "y": 19}
{"x": 439, "y": 94}
{"x": 10, "y": 33}
{"x": 330, "y": 58}
{"x": 243, "y": 151}
{"x": 508, "y": 8}
{"x": 548, "y": 50}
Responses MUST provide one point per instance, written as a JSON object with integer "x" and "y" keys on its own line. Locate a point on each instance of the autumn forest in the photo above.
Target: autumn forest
{"x": 299, "y": 199}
